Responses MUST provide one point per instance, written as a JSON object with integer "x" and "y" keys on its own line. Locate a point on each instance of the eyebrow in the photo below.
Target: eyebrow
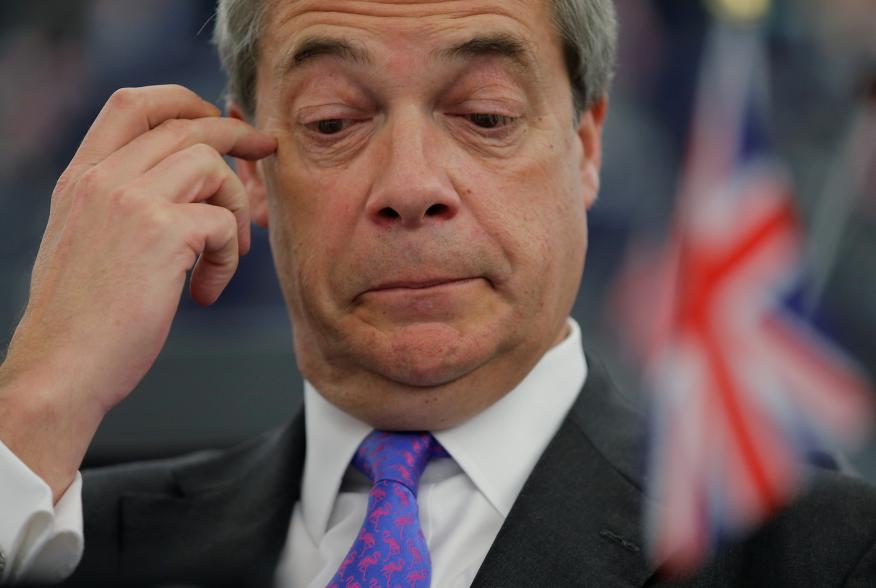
{"x": 502, "y": 45}
{"x": 496, "y": 44}
{"x": 313, "y": 47}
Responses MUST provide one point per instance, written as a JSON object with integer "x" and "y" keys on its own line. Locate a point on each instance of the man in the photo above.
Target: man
{"x": 425, "y": 171}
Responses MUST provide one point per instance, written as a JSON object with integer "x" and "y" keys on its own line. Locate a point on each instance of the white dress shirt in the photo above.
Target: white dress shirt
{"x": 39, "y": 542}
{"x": 463, "y": 501}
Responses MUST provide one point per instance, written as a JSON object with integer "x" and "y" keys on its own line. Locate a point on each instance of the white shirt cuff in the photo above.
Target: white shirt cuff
{"x": 39, "y": 541}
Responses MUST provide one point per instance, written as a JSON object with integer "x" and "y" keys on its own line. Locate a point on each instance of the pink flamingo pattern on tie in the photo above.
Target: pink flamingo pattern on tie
{"x": 390, "y": 550}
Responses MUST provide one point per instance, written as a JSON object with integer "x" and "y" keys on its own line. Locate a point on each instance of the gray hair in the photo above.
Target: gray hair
{"x": 588, "y": 29}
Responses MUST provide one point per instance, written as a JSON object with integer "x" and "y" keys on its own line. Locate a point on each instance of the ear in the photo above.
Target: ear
{"x": 253, "y": 179}
{"x": 590, "y": 134}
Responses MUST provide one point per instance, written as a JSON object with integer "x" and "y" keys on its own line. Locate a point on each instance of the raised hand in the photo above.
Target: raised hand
{"x": 146, "y": 197}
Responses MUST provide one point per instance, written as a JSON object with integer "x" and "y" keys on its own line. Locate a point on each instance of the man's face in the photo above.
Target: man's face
{"x": 427, "y": 202}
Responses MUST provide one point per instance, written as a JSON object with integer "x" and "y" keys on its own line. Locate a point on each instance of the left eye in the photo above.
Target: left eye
{"x": 489, "y": 121}
{"x": 330, "y": 126}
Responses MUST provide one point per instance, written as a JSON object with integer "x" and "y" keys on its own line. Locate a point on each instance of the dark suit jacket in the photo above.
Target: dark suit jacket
{"x": 221, "y": 518}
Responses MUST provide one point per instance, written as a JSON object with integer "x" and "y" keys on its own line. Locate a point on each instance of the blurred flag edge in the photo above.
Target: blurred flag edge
{"x": 743, "y": 387}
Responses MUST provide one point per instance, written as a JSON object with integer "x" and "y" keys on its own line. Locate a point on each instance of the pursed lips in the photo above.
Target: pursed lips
{"x": 418, "y": 284}
{"x": 415, "y": 287}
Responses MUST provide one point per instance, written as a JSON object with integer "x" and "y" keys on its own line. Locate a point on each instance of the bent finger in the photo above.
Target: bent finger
{"x": 226, "y": 136}
{"x": 198, "y": 174}
{"x": 130, "y": 112}
{"x": 211, "y": 234}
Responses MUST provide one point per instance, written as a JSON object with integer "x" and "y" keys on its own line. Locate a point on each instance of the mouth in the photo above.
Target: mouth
{"x": 419, "y": 284}
{"x": 422, "y": 300}
{"x": 405, "y": 290}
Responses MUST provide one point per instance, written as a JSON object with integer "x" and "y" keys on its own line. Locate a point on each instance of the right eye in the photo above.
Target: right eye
{"x": 488, "y": 121}
{"x": 330, "y": 126}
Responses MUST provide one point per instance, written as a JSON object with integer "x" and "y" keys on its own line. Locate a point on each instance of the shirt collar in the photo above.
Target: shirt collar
{"x": 332, "y": 438}
{"x": 497, "y": 448}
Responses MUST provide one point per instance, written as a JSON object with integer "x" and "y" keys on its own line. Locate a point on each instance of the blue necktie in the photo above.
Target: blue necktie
{"x": 390, "y": 549}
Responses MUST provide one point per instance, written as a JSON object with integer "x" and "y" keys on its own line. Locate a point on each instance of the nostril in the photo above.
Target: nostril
{"x": 437, "y": 210}
{"x": 388, "y": 213}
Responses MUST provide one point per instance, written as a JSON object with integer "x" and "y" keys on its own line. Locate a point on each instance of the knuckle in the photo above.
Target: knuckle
{"x": 127, "y": 207}
{"x": 207, "y": 160}
{"x": 153, "y": 219}
{"x": 228, "y": 224}
{"x": 90, "y": 182}
{"x": 211, "y": 151}
{"x": 174, "y": 127}
{"x": 65, "y": 182}
{"x": 123, "y": 205}
{"x": 205, "y": 153}
{"x": 229, "y": 221}
{"x": 125, "y": 99}
{"x": 179, "y": 89}
{"x": 177, "y": 130}
{"x": 120, "y": 196}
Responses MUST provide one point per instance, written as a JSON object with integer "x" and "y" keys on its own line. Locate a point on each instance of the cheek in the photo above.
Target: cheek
{"x": 534, "y": 209}
{"x": 534, "y": 206}
{"x": 310, "y": 199}
{"x": 312, "y": 214}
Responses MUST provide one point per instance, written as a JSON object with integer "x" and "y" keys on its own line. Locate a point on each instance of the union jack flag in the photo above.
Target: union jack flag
{"x": 744, "y": 388}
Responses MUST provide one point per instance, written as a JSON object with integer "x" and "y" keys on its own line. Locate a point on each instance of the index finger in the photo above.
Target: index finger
{"x": 228, "y": 136}
{"x": 130, "y": 112}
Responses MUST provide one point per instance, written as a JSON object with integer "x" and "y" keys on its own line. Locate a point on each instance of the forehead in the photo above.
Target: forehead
{"x": 407, "y": 24}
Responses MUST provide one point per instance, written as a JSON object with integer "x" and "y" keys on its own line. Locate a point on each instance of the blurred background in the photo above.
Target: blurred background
{"x": 228, "y": 372}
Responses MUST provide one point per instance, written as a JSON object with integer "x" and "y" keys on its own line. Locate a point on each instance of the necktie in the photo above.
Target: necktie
{"x": 390, "y": 549}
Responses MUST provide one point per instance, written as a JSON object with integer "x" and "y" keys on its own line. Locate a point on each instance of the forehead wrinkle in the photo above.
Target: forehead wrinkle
{"x": 314, "y": 11}
{"x": 399, "y": 8}
{"x": 343, "y": 14}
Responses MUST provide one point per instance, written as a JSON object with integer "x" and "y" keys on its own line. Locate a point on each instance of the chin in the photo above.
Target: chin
{"x": 427, "y": 355}
{"x": 417, "y": 376}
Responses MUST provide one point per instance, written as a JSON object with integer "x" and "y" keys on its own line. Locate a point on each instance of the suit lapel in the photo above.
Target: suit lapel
{"x": 577, "y": 521}
{"x": 229, "y": 521}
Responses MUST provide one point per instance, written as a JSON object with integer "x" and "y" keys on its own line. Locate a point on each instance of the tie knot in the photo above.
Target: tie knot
{"x": 400, "y": 457}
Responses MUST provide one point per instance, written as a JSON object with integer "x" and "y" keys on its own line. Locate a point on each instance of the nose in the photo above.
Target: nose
{"x": 411, "y": 188}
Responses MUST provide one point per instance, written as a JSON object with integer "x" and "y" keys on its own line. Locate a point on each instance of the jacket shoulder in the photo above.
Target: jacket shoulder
{"x": 832, "y": 528}
{"x": 163, "y": 475}
{"x": 134, "y": 509}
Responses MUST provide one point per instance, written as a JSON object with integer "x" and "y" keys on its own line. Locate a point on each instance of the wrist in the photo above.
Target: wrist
{"x": 44, "y": 425}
